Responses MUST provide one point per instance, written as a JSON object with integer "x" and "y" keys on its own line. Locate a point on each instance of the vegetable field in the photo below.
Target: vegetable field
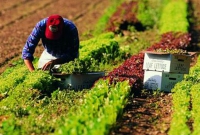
{"x": 113, "y": 38}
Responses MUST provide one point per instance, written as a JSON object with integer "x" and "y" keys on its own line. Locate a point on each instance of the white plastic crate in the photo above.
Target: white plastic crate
{"x": 79, "y": 81}
{"x": 164, "y": 81}
{"x": 166, "y": 62}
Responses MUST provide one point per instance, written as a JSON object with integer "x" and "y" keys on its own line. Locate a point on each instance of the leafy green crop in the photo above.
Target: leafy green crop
{"x": 174, "y": 17}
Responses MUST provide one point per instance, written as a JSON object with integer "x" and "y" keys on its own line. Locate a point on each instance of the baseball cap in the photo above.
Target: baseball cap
{"x": 54, "y": 27}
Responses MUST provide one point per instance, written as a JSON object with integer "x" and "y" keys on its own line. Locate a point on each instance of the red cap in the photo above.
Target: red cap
{"x": 54, "y": 27}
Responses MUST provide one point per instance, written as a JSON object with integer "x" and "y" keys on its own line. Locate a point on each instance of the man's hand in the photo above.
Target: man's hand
{"x": 49, "y": 65}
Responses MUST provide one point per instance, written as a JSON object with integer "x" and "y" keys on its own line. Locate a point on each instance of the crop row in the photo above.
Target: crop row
{"x": 186, "y": 104}
{"x": 99, "y": 111}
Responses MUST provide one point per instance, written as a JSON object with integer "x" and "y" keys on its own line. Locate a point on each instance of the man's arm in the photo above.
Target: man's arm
{"x": 29, "y": 65}
{"x": 31, "y": 43}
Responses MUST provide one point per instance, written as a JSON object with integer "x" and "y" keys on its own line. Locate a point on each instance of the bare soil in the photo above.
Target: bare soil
{"x": 148, "y": 114}
{"x": 19, "y": 17}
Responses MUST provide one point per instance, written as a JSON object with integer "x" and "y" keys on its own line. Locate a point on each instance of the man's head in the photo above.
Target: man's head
{"x": 54, "y": 27}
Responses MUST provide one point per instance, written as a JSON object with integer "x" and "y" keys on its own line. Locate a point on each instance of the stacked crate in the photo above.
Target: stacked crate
{"x": 164, "y": 70}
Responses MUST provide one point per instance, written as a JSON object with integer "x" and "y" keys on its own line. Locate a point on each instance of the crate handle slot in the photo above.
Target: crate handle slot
{"x": 172, "y": 78}
{"x": 180, "y": 60}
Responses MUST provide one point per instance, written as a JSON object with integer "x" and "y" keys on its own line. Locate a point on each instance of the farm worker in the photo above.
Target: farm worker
{"x": 60, "y": 40}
